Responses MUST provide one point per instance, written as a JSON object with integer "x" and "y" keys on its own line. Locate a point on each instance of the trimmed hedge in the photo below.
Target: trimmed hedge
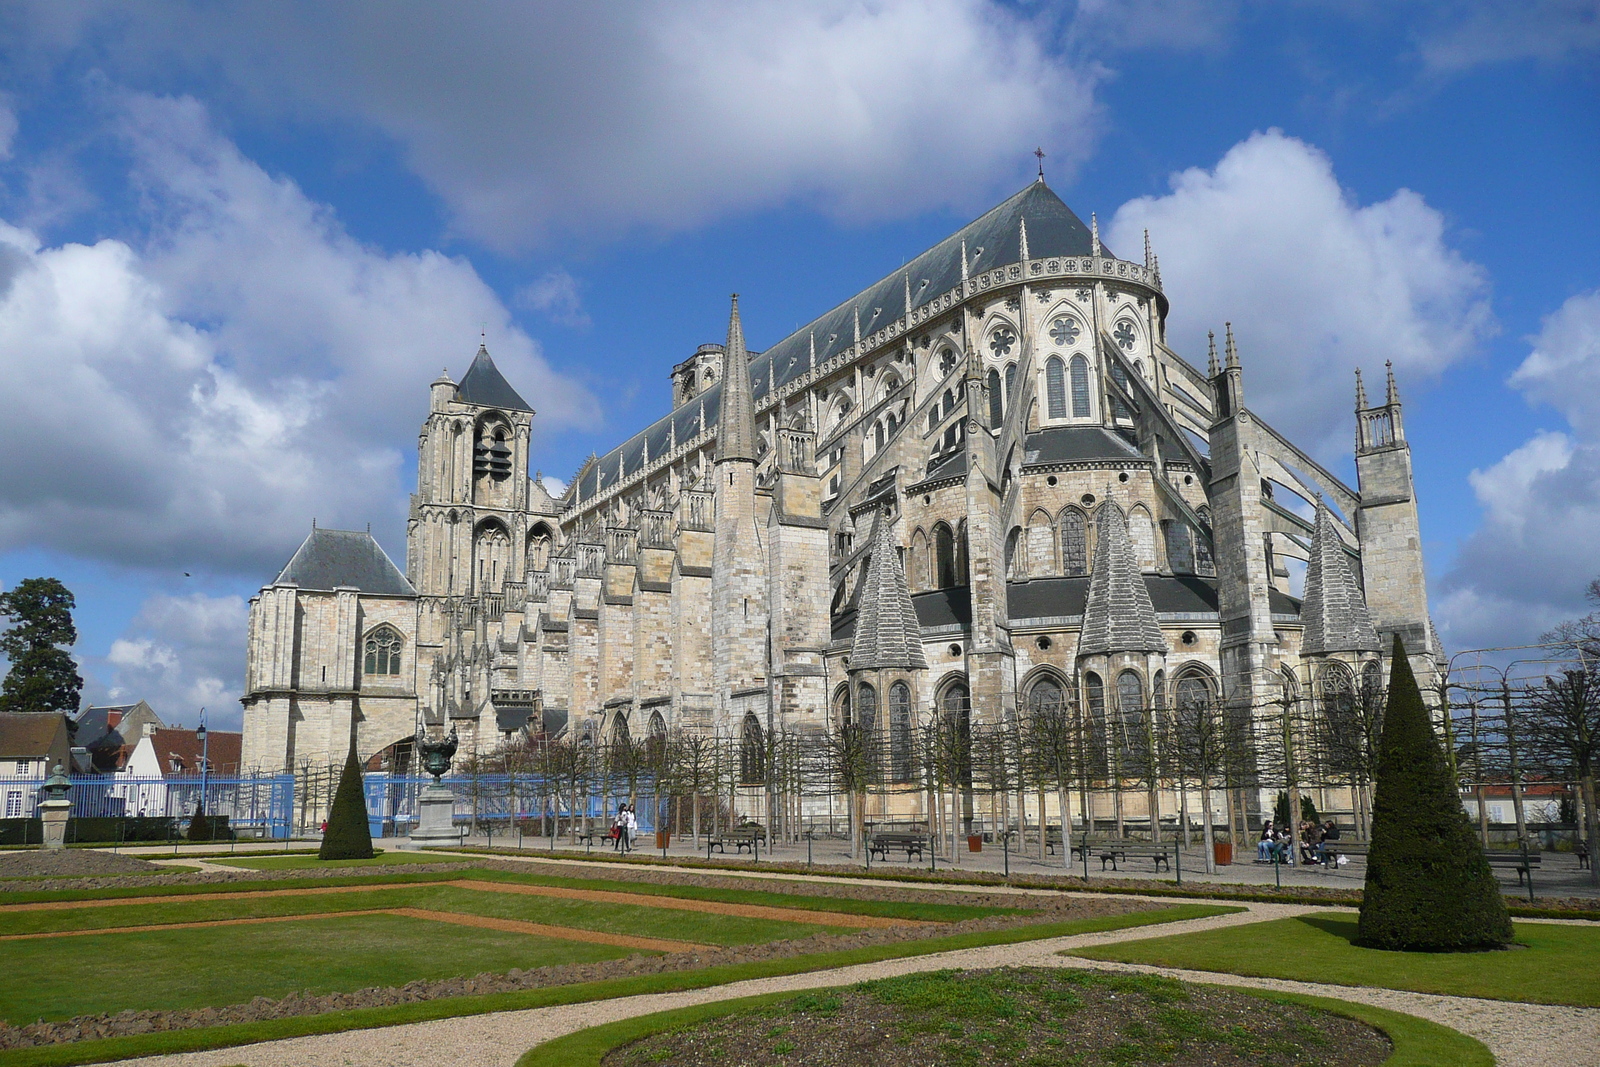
{"x": 1428, "y": 888}
{"x": 348, "y": 837}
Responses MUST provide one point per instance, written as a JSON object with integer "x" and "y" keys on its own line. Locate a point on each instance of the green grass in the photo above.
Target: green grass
{"x": 170, "y": 1042}
{"x": 215, "y": 966}
{"x": 698, "y": 927}
{"x": 289, "y": 863}
{"x": 1559, "y": 965}
{"x": 1417, "y": 1042}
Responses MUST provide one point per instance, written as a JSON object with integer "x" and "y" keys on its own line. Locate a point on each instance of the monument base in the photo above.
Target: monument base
{"x": 53, "y": 814}
{"x": 435, "y": 827}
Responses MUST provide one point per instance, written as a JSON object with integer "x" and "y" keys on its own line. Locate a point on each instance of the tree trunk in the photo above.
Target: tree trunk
{"x": 1207, "y": 834}
{"x": 1591, "y": 819}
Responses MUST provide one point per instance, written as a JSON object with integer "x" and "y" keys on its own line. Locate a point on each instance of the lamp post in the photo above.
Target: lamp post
{"x": 205, "y": 770}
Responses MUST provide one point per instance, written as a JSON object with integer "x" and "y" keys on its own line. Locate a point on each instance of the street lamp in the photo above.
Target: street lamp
{"x": 205, "y": 768}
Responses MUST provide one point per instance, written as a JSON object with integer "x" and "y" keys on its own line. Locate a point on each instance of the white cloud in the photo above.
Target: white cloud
{"x": 556, "y": 294}
{"x": 196, "y": 399}
{"x": 1466, "y": 35}
{"x": 1314, "y": 283}
{"x": 181, "y": 653}
{"x": 1527, "y": 565}
{"x": 529, "y": 119}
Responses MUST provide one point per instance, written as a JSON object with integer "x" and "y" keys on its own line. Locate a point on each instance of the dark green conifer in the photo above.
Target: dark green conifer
{"x": 1429, "y": 889}
{"x": 348, "y": 836}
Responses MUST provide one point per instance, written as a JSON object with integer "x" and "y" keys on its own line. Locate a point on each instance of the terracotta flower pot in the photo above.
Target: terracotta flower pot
{"x": 974, "y": 842}
{"x": 663, "y": 838}
{"x": 1222, "y": 852}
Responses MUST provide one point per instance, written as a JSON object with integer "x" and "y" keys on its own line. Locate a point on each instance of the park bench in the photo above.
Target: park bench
{"x": 589, "y": 836}
{"x": 882, "y": 844}
{"x": 1052, "y": 844}
{"x": 1514, "y": 861}
{"x": 1332, "y": 850}
{"x": 742, "y": 838}
{"x": 1158, "y": 855}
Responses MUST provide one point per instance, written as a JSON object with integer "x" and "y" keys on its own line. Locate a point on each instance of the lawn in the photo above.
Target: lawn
{"x": 628, "y": 919}
{"x": 290, "y": 863}
{"x": 1558, "y": 964}
{"x": 58, "y": 978}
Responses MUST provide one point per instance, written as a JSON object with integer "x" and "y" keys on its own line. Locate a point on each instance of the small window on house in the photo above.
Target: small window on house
{"x": 382, "y": 652}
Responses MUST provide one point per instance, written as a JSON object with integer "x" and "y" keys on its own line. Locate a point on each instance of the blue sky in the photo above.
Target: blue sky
{"x": 237, "y": 241}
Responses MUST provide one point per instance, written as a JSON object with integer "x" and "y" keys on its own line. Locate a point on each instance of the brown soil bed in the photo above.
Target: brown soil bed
{"x": 1016, "y": 1016}
{"x": 70, "y": 863}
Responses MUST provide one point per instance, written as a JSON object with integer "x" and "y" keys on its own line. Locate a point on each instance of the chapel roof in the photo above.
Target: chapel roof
{"x": 991, "y": 240}
{"x": 484, "y": 385}
{"x": 331, "y": 559}
{"x": 1335, "y": 613}
{"x": 888, "y": 633}
{"x": 1118, "y": 615}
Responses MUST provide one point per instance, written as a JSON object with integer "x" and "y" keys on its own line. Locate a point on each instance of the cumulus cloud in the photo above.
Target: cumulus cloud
{"x": 180, "y": 653}
{"x": 533, "y": 118}
{"x": 197, "y": 397}
{"x": 1527, "y": 565}
{"x": 1314, "y": 283}
{"x": 555, "y": 293}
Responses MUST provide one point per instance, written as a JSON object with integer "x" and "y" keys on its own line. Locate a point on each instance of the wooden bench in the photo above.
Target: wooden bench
{"x": 909, "y": 843}
{"x": 1513, "y": 861}
{"x": 1332, "y": 850}
{"x": 1158, "y": 855}
{"x": 742, "y": 838}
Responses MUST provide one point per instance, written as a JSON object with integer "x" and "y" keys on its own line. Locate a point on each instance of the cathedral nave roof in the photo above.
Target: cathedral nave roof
{"x": 331, "y": 559}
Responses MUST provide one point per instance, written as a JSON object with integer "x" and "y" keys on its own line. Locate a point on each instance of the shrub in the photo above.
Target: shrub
{"x": 1428, "y": 886}
{"x": 348, "y": 837}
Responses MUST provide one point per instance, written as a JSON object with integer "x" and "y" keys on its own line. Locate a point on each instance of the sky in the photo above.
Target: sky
{"x": 238, "y": 240}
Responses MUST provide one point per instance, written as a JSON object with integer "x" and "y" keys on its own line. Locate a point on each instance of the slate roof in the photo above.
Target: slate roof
{"x": 888, "y": 632}
{"x": 483, "y": 384}
{"x": 1118, "y": 615}
{"x": 736, "y": 423}
{"x": 1334, "y": 612}
{"x": 1076, "y": 444}
{"x": 329, "y": 559}
{"x": 991, "y": 240}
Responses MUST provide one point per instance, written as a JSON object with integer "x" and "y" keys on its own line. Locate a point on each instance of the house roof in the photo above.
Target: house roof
{"x": 483, "y": 384}
{"x": 330, "y": 559}
{"x": 991, "y": 240}
{"x": 32, "y": 735}
{"x": 179, "y": 751}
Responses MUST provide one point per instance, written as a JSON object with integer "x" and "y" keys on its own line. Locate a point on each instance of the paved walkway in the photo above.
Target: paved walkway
{"x": 1520, "y": 1035}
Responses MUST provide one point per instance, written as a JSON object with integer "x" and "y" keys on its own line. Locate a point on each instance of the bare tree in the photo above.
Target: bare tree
{"x": 1564, "y": 739}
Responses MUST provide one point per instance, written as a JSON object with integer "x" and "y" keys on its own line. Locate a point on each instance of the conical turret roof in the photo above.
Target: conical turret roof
{"x": 887, "y": 632}
{"x": 1334, "y": 613}
{"x": 736, "y": 427}
{"x": 1118, "y": 616}
{"x": 483, "y": 384}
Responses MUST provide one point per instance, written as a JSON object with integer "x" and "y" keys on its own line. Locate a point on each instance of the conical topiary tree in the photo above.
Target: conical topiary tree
{"x": 348, "y": 836}
{"x": 1429, "y": 889}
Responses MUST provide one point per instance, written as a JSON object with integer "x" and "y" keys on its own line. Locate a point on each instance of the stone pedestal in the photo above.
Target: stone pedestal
{"x": 435, "y": 819}
{"x": 53, "y": 813}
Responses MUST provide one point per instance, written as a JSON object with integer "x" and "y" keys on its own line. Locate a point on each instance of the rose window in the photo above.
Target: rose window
{"x": 1124, "y": 334}
{"x": 1001, "y": 342}
{"x": 1064, "y": 330}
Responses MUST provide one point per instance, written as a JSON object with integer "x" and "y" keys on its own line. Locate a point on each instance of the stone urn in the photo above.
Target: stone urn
{"x": 55, "y": 809}
{"x": 436, "y": 803}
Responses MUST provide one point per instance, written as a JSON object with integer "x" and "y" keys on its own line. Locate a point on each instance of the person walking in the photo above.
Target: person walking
{"x": 630, "y": 828}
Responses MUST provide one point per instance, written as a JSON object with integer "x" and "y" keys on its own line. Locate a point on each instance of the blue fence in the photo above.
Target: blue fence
{"x": 499, "y": 804}
{"x": 258, "y": 805}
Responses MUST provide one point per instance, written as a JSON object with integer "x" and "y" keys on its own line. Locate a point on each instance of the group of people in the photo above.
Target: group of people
{"x": 624, "y": 828}
{"x": 1275, "y": 843}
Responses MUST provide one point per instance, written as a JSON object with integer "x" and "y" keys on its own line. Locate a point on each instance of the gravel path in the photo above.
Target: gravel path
{"x": 1520, "y": 1035}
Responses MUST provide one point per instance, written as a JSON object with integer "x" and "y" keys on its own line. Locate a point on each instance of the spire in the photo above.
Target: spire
{"x": 1231, "y": 352}
{"x": 963, "y": 263}
{"x": 1094, "y": 232}
{"x": 1334, "y": 613}
{"x": 736, "y": 424}
{"x": 1211, "y": 354}
{"x": 1393, "y": 396}
{"x": 1361, "y": 392}
{"x": 1155, "y": 270}
{"x": 1022, "y": 225}
{"x": 888, "y": 634}
{"x": 485, "y": 386}
{"x": 1118, "y": 616}
{"x": 1149, "y": 258}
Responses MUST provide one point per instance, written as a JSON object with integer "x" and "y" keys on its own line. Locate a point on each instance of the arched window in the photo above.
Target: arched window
{"x": 867, "y": 709}
{"x": 752, "y": 753}
{"x": 1095, "y": 692}
{"x": 944, "y": 557}
{"x": 1158, "y": 690}
{"x": 1192, "y": 691}
{"x": 382, "y": 652}
{"x": 1371, "y": 680}
{"x": 1130, "y": 719}
{"x": 491, "y": 555}
{"x": 1338, "y": 693}
{"x": 658, "y": 736}
{"x": 1055, "y": 388}
{"x": 1011, "y": 383}
{"x": 1045, "y": 698}
{"x": 900, "y": 736}
{"x": 917, "y": 562}
{"x": 878, "y": 435}
{"x": 1074, "y": 543}
{"x": 949, "y": 402}
{"x": 996, "y": 401}
{"x": 1015, "y": 568}
{"x": 841, "y": 705}
{"x": 1142, "y": 532}
{"x": 539, "y": 542}
{"x": 621, "y": 735}
{"x": 955, "y": 708}
{"x": 1040, "y": 555}
{"x": 1080, "y": 387}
